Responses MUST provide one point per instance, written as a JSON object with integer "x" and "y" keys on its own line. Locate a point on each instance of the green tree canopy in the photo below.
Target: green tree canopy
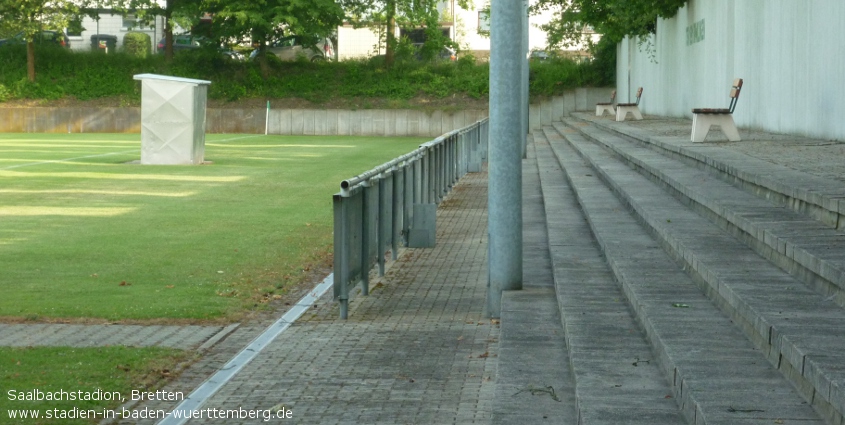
{"x": 32, "y": 16}
{"x": 613, "y": 19}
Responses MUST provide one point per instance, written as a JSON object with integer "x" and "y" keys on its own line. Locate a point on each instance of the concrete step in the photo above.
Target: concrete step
{"x": 819, "y": 197}
{"x": 617, "y": 379}
{"x": 807, "y": 248}
{"x": 534, "y": 384}
{"x": 798, "y": 328}
{"x": 716, "y": 375}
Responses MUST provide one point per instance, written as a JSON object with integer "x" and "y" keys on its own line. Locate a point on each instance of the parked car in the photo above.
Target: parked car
{"x": 292, "y": 47}
{"x": 538, "y": 55}
{"x": 446, "y": 53}
{"x": 183, "y": 42}
{"x": 46, "y": 37}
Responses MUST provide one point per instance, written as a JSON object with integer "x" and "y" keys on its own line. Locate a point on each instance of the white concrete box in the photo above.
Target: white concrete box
{"x": 172, "y": 119}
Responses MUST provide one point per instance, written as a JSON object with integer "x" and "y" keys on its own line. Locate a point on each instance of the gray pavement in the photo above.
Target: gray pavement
{"x": 74, "y": 335}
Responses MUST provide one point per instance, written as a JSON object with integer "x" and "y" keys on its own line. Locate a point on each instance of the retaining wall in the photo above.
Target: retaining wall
{"x": 320, "y": 122}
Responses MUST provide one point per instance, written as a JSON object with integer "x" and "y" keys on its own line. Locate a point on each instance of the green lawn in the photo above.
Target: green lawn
{"x": 24, "y": 372}
{"x": 84, "y": 234}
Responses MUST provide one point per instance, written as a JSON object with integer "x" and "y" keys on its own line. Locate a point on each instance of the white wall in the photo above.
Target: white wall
{"x": 357, "y": 42}
{"x": 114, "y": 25}
{"x": 790, "y": 54}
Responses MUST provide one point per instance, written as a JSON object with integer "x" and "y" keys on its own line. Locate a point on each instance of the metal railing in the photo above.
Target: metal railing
{"x": 373, "y": 213}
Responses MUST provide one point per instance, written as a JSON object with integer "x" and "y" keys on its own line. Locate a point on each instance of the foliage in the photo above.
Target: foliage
{"x": 420, "y": 17}
{"x": 137, "y": 44}
{"x": 613, "y": 19}
{"x": 32, "y": 16}
{"x": 85, "y": 75}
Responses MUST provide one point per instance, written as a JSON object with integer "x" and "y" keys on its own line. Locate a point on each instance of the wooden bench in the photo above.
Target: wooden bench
{"x": 623, "y": 109}
{"x": 606, "y": 106}
{"x": 703, "y": 118}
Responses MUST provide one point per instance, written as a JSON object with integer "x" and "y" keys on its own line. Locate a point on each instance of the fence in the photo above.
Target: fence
{"x": 374, "y": 211}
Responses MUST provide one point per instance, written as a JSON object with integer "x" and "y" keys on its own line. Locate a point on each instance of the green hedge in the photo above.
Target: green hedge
{"x": 137, "y": 44}
{"x": 84, "y": 76}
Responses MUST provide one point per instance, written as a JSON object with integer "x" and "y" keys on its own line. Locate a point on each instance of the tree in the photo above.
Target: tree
{"x": 187, "y": 10}
{"x": 30, "y": 17}
{"x": 613, "y": 19}
{"x": 265, "y": 20}
{"x": 406, "y": 14}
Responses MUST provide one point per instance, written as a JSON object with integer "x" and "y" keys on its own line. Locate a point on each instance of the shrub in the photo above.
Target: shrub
{"x": 137, "y": 44}
{"x": 85, "y": 75}
{"x": 5, "y": 94}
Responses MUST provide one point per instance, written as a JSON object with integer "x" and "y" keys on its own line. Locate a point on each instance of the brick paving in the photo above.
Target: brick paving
{"x": 70, "y": 335}
{"x": 417, "y": 350}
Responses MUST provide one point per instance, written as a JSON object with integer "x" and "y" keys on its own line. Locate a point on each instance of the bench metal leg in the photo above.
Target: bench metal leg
{"x": 600, "y": 110}
{"x": 622, "y": 112}
{"x": 701, "y": 126}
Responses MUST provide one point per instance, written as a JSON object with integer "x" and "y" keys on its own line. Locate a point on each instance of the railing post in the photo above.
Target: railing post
{"x": 382, "y": 219}
{"x": 365, "y": 237}
{"x": 407, "y": 199}
{"x": 341, "y": 259}
{"x": 397, "y": 216}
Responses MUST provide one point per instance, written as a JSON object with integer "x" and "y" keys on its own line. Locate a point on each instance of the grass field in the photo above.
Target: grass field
{"x": 85, "y": 234}
{"x": 52, "y": 369}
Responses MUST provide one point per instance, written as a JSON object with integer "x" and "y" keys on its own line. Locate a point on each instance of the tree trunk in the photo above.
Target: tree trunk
{"x": 30, "y": 60}
{"x": 168, "y": 31}
{"x": 263, "y": 64}
{"x": 391, "y": 35}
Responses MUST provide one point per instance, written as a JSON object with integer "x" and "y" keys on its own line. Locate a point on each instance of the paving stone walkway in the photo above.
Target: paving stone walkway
{"x": 70, "y": 335}
{"x": 417, "y": 350}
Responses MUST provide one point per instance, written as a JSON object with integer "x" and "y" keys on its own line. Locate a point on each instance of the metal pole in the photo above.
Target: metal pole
{"x": 343, "y": 296}
{"x": 524, "y": 80}
{"x": 396, "y": 222}
{"x": 382, "y": 221}
{"x": 366, "y": 211}
{"x": 505, "y": 158}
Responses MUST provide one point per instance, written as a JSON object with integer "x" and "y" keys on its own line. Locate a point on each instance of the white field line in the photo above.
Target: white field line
{"x": 54, "y": 161}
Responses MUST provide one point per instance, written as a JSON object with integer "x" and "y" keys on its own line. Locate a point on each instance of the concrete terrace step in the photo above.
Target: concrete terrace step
{"x": 799, "y": 244}
{"x": 820, "y": 197}
{"x": 717, "y": 376}
{"x": 616, "y": 378}
{"x": 799, "y": 329}
{"x": 533, "y": 384}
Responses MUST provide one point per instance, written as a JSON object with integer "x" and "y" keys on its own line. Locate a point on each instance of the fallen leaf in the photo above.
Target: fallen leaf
{"x": 484, "y": 356}
{"x": 124, "y": 283}
{"x": 170, "y": 286}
